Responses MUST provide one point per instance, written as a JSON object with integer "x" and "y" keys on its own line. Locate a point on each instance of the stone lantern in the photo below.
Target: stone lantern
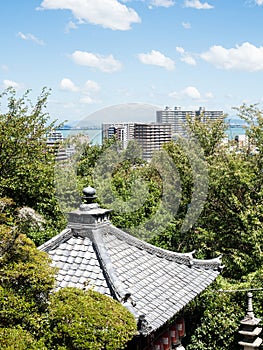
{"x": 249, "y": 328}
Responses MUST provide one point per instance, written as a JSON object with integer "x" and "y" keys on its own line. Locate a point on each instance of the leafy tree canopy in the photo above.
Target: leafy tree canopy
{"x": 34, "y": 316}
{"x": 26, "y": 161}
{"x": 89, "y": 320}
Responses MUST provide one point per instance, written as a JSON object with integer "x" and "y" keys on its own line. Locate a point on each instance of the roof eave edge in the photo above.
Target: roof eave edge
{"x": 56, "y": 240}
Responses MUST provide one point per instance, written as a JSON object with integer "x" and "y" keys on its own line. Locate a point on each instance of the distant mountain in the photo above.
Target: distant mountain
{"x": 127, "y": 112}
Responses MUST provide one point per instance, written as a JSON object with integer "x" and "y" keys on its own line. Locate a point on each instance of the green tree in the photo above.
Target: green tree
{"x": 209, "y": 133}
{"x": 27, "y": 279}
{"x": 231, "y": 220}
{"x": 34, "y": 316}
{"x": 19, "y": 339}
{"x": 26, "y": 161}
{"x": 230, "y": 225}
{"x": 88, "y": 320}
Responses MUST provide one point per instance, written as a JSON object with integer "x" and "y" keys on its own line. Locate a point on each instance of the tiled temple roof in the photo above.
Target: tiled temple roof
{"x": 153, "y": 283}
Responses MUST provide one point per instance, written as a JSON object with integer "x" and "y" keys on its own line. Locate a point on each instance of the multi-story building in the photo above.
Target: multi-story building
{"x": 177, "y": 117}
{"x": 208, "y": 115}
{"x": 124, "y": 132}
{"x": 150, "y": 136}
{"x": 55, "y": 140}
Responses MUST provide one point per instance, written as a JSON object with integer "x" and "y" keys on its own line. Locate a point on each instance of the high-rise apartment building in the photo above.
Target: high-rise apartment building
{"x": 150, "y": 136}
{"x": 177, "y": 117}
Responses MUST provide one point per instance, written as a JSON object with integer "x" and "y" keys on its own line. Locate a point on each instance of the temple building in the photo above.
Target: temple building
{"x": 153, "y": 283}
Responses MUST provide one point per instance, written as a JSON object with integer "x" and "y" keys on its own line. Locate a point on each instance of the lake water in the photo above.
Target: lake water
{"x": 94, "y": 135}
{"x": 234, "y": 131}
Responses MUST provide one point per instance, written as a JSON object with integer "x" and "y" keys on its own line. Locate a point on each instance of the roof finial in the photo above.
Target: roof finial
{"x": 89, "y": 194}
{"x": 88, "y": 199}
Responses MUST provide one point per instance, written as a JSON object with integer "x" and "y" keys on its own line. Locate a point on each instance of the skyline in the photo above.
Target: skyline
{"x": 94, "y": 54}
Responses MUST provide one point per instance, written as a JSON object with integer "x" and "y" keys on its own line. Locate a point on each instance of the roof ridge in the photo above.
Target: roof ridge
{"x": 122, "y": 294}
{"x": 184, "y": 258}
{"x": 56, "y": 240}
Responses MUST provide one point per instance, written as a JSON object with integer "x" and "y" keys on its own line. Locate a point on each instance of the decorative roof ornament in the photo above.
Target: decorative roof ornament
{"x": 88, "y": 198}
{"x": 89, "y": 194}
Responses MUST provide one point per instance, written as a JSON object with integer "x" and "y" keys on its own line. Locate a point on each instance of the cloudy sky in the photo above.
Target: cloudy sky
{"x": 98, "y": 53}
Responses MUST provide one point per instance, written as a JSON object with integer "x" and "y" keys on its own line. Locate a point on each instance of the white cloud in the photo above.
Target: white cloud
{"x": 86, "y": 100}
{"x": 259, "y": 2}
{"x": 246, "y": 57}
{"x": 68, "y": 85}
{"x": 209, "y": 95}
{"x": 70, "y": 25}
{"x": 106, "y": 64}
{"x": 87, "y": 91}
{"x": 186, "y": 25}
{"x": 156, "y": 58}
{"x": 191, "y": 92}
{"x": 189, "y": 60}
{"x": 91, "y": 85}
{"x": 180, "y": 50}
{"x": 186, "y": 57}
{"x": 30, "y": 37}
{"x": 4, "y": 67}
{"x": 107, "y": 13}
{"x": 10, "y": 83}
{"x": 197, "y": 4}
{"x": 161, "y": 3}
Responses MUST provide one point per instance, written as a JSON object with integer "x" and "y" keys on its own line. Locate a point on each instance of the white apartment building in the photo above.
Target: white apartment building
{"x": 177, "y": 117}
{"x": 150, "y": 136}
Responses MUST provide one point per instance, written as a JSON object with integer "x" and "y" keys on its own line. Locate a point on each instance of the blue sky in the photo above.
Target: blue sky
{"x": 97, "y": 53}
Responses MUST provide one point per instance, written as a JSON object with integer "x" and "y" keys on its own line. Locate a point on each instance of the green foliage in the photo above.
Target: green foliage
{"x": 89, "y": 156}
{"x": 231, "y": 222}
{"x": 219, "y": 322}
{"x": 7, "y": 209}
{"x": 209, "y": 133}
{"x": 67, "y": 319}
{"x": 215, "y": 317}
{"x": 19, "y": 339}
{"x": 25, "y": 270}
{"x": 27, "y": 221}
{"x": 26, "y": 281}
{"x": 88, "y": 320}
{"x": 26, "y": 161}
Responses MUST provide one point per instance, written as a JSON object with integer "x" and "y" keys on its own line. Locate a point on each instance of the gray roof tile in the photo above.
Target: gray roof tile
{"x": 114, "y": 263}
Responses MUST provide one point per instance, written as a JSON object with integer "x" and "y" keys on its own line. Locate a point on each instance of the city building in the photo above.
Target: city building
{"x": 177, "y": 117}
{"x": 124, "y": 132}
{"x": 151, "y": 137}
{"x": 55, "y": 140}
{"x": 63, "y": 150}
{"x": 154, "y": 284}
